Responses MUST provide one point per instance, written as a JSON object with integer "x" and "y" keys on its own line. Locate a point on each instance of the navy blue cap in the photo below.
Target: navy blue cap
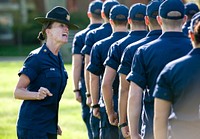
{"x": 191, "y": 8}
{"x": 119, "y": 13}
{"x": 137, "y": 12}
{"x": 107, "y": 5}
{"x": 169, "y": 6}
{"x": 195, "y": 19}
{"x": 153, "y": 8}
{"x": 95, "y": 7}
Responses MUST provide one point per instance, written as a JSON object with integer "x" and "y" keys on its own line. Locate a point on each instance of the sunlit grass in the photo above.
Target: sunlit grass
{"x": 69, "y": 115}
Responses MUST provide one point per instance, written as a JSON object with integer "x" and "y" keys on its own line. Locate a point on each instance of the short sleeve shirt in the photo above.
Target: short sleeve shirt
{"x": 93, "y": 36}
{"x": 116, "y": 50}
{"x": 127, "y": 56}
{"x": 151, "y": 58}
{"x": 78, "y": 44}
{"x": 99, "y": 53}
{"x": 44, "y": 69}
{"x": 79, "y": 38}
{"x": 179, "y": 83}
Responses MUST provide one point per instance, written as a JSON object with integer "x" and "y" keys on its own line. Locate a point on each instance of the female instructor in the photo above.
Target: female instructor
{"x": 43, "y": 78}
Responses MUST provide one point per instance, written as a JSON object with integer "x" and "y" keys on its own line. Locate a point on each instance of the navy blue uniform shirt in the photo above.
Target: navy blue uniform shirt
{"x": 44, "y": 69}
{"x": 93, "y": 36}
{"x": 115, "y": 52}
{"x": 98, "y": 56}
{"x": 79, "y": 38}
{"x": 179, "y": 83}
{"x": 127, "y": 56}
{"x": 151, "y": 58}
{"x": 78, "y": 44}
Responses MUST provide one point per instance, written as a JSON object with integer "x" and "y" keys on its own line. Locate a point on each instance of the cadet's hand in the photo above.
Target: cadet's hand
{"x": 96, "y": 113}
{"x": 43, "y": 93}
{"x": 125, "y": 132}
{"x": 89, "y": 101}
{"x": 59, "y": 131}
{"x": 78, "y": 96}
{"x": 113, "y": 118}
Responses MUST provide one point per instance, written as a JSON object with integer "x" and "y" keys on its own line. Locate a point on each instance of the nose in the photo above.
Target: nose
{"x": 66, "y": 26}
{"x": 66, "y": 29}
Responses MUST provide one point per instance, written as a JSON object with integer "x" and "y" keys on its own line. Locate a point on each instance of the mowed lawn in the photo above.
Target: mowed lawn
{"x": 69, "y": 115}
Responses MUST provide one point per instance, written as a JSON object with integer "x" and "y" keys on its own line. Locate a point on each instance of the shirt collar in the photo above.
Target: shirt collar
{"x": 195, "y": 51}
{"x": 154, "y": 32}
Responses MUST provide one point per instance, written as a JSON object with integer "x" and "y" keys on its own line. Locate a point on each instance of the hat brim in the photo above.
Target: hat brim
{"x": 43, "y": 20}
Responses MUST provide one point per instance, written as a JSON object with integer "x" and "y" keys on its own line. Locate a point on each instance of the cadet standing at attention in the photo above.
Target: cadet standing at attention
{"x": 126, "y": 60}
{"x": 92, "y": 37}
{"x": 98, "y": 34}
{"x": 118, "y": 20}
{"x": 138, "y": 30}
{"x": 177, "y": 89}
{"x": 151, "y": 58}
{"x": 94, "y": 15}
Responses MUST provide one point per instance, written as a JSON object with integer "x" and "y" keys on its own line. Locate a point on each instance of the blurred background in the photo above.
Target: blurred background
{"x": 18, "y": 30}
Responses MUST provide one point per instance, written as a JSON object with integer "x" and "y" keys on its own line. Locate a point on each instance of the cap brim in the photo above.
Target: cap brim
{"x": 43, "y": 20}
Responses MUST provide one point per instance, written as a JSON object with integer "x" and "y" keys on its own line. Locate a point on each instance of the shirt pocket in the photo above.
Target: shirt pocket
{"x": 53, "y": 81}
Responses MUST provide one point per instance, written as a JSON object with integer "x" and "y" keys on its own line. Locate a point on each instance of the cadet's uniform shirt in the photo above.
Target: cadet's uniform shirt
{"x": 115, "y": 52}
{"x": 99, "y": 53}
{"x": 93, "y": 36}
{"x": 44, "y": 69}
{"x": 78, "y": 44}
{"x": 179, "y": 83}
{"x": 151, "y": 58}
{"x": 127, "y": 56}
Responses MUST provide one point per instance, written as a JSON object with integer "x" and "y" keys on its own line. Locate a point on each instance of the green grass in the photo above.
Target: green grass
{"x": 69, "y": 115}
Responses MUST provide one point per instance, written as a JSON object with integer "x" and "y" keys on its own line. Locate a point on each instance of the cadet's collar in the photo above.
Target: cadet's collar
{"x": 154, "y": 32}
{"x": 91, "y": 26}
{"x": 195, "y": 51}
{"x": 172, "y": 34}
{"x": 119, "y": 33}
{"x": 138, "y": 32}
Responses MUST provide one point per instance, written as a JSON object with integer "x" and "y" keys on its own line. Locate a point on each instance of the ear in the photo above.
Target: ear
{"x": 191, "y": 35}
{"x": 103, "y": 15}
{"x": 47, "y": 31}
{"x": 146, "y": 18}
{"x": 129, "y": 21}
{"x": 159, "y": 19}
{"x": 89, "y": 15}
{"x": 185, "y": 19}
{"x": 111, "y": 22}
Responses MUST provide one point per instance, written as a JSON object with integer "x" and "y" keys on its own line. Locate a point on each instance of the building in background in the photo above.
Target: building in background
{"x": 14, "y": 12}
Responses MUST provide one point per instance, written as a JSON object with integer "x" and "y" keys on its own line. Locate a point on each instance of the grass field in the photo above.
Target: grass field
{"x": 69, "y": 114}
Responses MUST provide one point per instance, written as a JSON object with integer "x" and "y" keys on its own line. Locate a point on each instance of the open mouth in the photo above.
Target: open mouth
{"x": 65, "y": 34}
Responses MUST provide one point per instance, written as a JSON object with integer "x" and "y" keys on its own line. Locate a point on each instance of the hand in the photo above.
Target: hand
{"x": 125, "y": 132}
{"x": 89, "y": 101}
{"x": 113, "y": 118}
{"x": 43, "y": 93}
{"x": 96, "y": 113}
{"x": 78, "y": 96}
{"x": 59, "y": 131}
